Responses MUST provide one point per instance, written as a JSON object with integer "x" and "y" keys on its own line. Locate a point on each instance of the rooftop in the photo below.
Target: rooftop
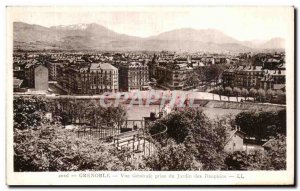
{"x": 135, "y": 64}
{"x": 102, "y": 66}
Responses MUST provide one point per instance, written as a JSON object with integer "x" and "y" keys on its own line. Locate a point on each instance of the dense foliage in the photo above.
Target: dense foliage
{"x": 272, "y": 158}
{"x": 28, "y": 112}
{"x": 51, "y": 148}
{"x": 240, "y": 160}
{"x": 43, "y": 145}
{"x": 211, "y": 73}
{"x": 262, "y": 124}
{"x": 275, "y": 154}
{"x": 260, "y": 95}
{"x": 174, "y": 157}
{"x": 202, "y": 137}
{"x": 192, "y": 141}
{"x": 200, "y": 141}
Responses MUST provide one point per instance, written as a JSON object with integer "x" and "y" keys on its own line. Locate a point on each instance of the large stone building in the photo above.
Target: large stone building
{"x": 29, "y": 74}
{"x": 53, "y": 67}
{"x": 41, "y": 78}
{"x": 36, "y": 76}
{"x": 248, "y": 77}
{"x": 228, "y": 78}
{"x": 103, "y": 78}
{"x": 133, "y": 76}
{"x": 254, "y": 77}
{"x": 178, "y": 73}
{"x": 94, "y": 78}
{"x": 273, "y": 79}
{"x": 173, "y": 75}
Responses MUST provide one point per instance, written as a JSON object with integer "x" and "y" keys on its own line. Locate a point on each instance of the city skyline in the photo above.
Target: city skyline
{"x": 145, "y": 22}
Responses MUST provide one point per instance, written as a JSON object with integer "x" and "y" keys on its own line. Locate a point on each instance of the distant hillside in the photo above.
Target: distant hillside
{"x": 274, "y": 43}
{"x": 97, "y": 37}
{"x": 187, "y": 34}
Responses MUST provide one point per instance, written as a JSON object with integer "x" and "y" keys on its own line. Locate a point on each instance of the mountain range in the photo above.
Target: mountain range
{"x": 97, "y": 37}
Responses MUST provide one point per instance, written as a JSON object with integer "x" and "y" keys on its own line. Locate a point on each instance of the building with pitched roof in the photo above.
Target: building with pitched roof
{"x": 91, "y": 78}
{"x": 254, "y": 77}
{"x": 133, "y": 76}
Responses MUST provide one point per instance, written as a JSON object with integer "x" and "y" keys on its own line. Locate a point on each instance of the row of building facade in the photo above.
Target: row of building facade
{"x": 254, "y": 77}
{"x": 85, "y": 75}
{"x": 82, "y": 78}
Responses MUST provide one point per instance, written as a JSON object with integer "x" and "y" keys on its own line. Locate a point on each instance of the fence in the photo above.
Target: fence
{"x": 104, "y": 131}
{"x": 134, "y": 134}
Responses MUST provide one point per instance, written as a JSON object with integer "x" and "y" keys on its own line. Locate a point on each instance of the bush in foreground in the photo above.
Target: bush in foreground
{"x": 54, "y": 149}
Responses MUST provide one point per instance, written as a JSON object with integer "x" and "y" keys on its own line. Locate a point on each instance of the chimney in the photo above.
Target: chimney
{"x": 279, "y": 71}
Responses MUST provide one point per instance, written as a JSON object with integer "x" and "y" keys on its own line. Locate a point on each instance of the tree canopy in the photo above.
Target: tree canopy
{"x": 202, "y": 137}
{"x": 54, "y": 149}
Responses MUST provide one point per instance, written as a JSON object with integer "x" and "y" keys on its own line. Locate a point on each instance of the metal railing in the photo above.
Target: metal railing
{"x": 105, "y": 131}
{"x": 134, "y": 134}
{"x": 141, "y": 140}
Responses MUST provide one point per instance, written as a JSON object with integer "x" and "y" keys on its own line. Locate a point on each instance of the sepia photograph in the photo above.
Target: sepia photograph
{"x": 150, "y": 95}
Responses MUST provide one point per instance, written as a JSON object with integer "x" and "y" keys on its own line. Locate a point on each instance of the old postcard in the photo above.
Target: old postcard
{"x": 150, "y": 96}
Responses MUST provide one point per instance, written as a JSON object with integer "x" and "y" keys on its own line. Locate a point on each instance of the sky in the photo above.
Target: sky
{"x": 241, "y": 23}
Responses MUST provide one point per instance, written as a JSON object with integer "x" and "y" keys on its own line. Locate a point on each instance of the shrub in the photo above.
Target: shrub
{"x": 54, "y": 149}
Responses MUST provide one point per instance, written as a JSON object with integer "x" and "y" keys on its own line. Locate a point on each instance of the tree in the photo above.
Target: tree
{"x": 280, "y": 97}
{"x": 210, "y": 73}
{"x": 275, "y": 154}
{"x": 279, "y": 92}
{"x": 201, "y": 136}
{"x": 173, "y": 157}
{"x": 253, "y": 92}
{"x": 192, "y": 80}
{"x": 178, "y": 124}
{"x": 247, "y": 121}
{"x": 240, "y": 160}
{"x": 270, "y": 94}
{"x": 262, "y": 124}
{"x": 266, "y": 124}
{"x": 237, "y": 92}
{"x": 261, "y": 93}
{"x": 281, "y": 122}
{"x": 220, "y": 91}
{"x": 228, "y": 92}
{"x": 29, "y": 112}
{"x": 65, "y": 120}
{"x": 272, "y": 158}
{"x": 116, "y": 115}
{"x": 87, "y": 111}
{"x": 244, "y": 93}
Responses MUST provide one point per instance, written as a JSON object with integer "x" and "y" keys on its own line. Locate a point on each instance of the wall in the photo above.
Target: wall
{"x": 41, "y": 78}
